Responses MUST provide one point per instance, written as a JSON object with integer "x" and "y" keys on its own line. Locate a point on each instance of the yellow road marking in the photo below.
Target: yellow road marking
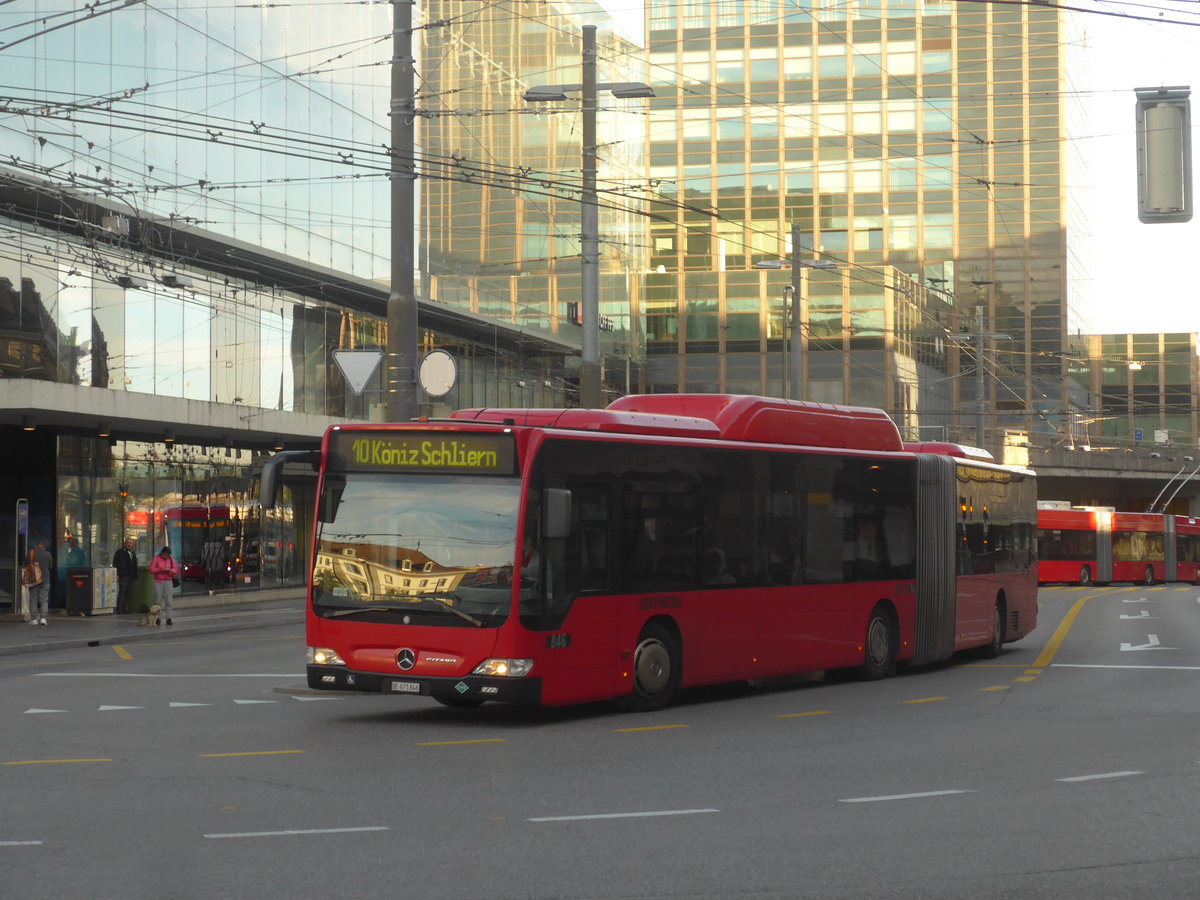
{"x": 647, "y": 728}
{"x": 1060, "y": 634}
{"x": 1023, "y": 678}
{"x": 122, "y": 652}
{"x": 992, "y": 666}
{"x": 998, "y": 687}
{"x": 1033, "y": 671}
{"x": 925, "y": 700}
{"x": 453, "y": 743}
{"x": 51, "y": 762}
{"x": 248, "y": 753}
{"x": 815, "y": 712}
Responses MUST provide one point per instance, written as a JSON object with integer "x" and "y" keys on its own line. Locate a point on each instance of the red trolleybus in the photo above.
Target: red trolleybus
{"x": 1187, "y": 550}
{"x": 1074, "y": 544}
{"x": 1082, "y": 545}
{"x": 563, "y": 556}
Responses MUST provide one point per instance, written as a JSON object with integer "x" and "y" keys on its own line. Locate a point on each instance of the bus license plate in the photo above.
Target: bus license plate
{"x": 406, "y": 687}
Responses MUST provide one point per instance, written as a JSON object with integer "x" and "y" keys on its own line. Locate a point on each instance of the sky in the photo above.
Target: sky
{"x": 1131, "y": 276}
{"x": 1139, "y": 277}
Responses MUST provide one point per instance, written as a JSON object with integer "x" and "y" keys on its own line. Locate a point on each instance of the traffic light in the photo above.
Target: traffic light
{"x": 1164, "y": 154}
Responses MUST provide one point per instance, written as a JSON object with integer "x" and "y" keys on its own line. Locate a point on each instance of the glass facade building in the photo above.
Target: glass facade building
{"x": 1144, "y": 388}
{"x": 926, "y": 136}
{"x": 500, "y": 194}
{"x": 195, "y": 216}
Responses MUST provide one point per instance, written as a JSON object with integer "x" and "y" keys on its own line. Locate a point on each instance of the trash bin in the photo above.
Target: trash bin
{"x": 91, "y": 590}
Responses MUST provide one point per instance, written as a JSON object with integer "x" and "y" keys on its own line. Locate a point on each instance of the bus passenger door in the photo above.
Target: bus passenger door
{"x": 579, "y": 652}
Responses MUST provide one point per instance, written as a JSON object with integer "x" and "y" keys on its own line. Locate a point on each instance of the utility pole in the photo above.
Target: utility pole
{"x": 795, "y": 387}
{"x": 400, "y": 389}
{"x": 589, "y": 216}
{"x": 980, "y": 336}
{"x": 589, "y": 305}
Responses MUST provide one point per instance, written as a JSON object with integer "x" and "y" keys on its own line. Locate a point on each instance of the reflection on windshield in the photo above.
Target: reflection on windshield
{"x": 396, "y": 539}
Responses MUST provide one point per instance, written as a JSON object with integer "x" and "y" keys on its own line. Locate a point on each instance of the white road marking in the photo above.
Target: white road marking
{"x": 306, "y": 699}
{"x": 1142, "y": 614}
{"x": 629, "y": 815}
{"x": 903, "y": 796}
{"x": 20, "y": 843}
{"x": 30, "y": 711}
{"x": 1097, "y": 777}
{"x": 250, "y": 834}
{"x": 248, "y": 702}
{"x": 111, "y": 708}
{"x": 175, "y": 705}
{"x": 1087, "y": 666}
{"x": 1152, "y": 643}
{"x": 158, "y": 675}
{"x": 1138, "y": 600}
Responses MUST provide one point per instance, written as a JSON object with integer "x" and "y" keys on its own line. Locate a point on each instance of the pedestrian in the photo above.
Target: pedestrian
{"x": 165, "y": 572}
{"x": 126, "y": 564}
{"x": 39, "y": 593}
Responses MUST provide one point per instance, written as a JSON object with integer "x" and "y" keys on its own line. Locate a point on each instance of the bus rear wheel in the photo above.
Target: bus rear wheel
{"x": 655, "y": 669}
{"x": 879, "y": 649}
{"x": 1085, "y": 576}
{"x": 1148, "y": 576}
{"x": 992, "y": 649}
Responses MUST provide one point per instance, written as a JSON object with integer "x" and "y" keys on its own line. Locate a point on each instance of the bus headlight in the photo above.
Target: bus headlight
{"x": 504, "y": 668}
{"x": 323, "y": 656}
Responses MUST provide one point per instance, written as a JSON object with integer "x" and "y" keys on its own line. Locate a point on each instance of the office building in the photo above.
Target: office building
{"x": 921, "y": 136}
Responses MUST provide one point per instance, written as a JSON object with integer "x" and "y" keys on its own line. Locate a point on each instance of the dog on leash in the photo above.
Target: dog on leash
{"x": 150, "y": 615}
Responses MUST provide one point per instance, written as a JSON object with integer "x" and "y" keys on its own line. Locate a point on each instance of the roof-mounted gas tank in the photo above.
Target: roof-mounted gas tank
{"x": 612, "y": 420}
{"x": 741, "y": 417}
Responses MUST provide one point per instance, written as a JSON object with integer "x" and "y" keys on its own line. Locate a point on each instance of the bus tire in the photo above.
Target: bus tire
{"x": 879, "y": 646}
{"x": 1085, "y": 576}
{"x": 656, "y": 669}
{"x": 992, "y": 649}
{"x": 1148, "y": 577}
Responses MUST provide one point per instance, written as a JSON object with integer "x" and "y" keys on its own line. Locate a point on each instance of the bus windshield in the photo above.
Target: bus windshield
{"x": 437, "y": 548}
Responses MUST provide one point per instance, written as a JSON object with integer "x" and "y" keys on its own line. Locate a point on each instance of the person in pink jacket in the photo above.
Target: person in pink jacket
{"x": 165, "y": 571}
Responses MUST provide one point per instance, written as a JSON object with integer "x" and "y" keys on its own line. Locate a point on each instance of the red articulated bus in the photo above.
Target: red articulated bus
{"x": 1082, "y": 545}
{"x": 560, "y": 556}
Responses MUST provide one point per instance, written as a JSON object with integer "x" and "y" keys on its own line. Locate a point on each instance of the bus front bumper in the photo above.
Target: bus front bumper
{"x": 467, "y": 688}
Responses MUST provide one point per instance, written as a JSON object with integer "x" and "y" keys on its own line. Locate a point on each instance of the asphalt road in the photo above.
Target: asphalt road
{"x": 202, "y": 767}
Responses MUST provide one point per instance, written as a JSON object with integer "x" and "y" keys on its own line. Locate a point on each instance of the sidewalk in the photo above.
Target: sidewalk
{"x": 198, "y": 614}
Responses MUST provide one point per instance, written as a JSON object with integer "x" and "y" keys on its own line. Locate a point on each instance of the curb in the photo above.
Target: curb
{"x": 162, "y": 633}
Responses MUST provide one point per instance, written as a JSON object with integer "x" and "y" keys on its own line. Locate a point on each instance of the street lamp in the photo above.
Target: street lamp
{"x": 589, "y": 296}
{"x": 793, "y": 388}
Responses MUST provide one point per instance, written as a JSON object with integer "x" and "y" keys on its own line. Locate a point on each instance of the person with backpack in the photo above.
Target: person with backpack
{"x": 39, "y": 566}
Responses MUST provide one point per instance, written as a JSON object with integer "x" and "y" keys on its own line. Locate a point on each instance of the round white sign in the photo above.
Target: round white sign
{"x": 437, "y": 373}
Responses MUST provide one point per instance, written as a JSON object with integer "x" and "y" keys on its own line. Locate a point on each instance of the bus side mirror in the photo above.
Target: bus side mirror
{"x": 269, "y": 482}
{"x": 556, "y": 513}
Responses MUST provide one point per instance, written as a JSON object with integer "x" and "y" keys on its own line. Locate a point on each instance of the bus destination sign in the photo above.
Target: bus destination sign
{"x": 444, "y": 452}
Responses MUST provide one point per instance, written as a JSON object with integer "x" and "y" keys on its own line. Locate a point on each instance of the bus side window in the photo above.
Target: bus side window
{"x": 587, "y": 548}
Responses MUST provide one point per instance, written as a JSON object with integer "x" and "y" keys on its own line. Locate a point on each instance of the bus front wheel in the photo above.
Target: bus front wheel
{"x": 655, "y": 669}
{"x": 1085, "y": 576}
{"x": 879, "y": 651}
{"x": 1148, "y": 577}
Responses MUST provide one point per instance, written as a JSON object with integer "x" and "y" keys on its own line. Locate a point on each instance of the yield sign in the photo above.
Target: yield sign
{"x": 357, "y": 366}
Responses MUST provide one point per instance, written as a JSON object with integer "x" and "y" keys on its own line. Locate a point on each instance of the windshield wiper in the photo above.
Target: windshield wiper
{"x": 410, "y": 601}
{"x": 438, "y": 596}
{"x": 363, "y": 609}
